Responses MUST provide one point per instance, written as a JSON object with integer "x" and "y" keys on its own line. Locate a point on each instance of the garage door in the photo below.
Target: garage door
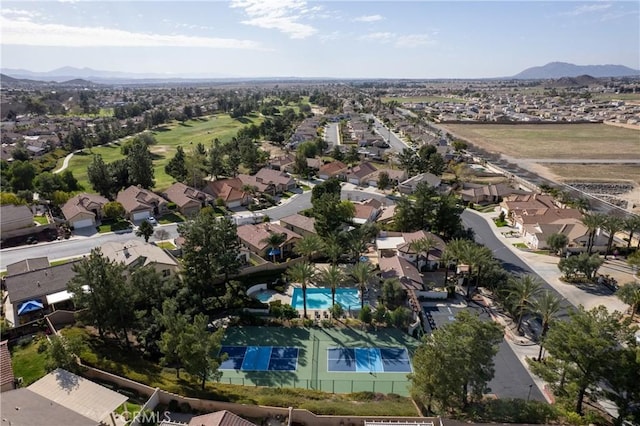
{"x": 84, "y": 223}
{"x": 141, "y": 215}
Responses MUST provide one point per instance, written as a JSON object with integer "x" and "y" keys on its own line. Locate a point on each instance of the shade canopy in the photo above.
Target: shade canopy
{"x": 30, "y": 306}
{"x": 274, "y": 252}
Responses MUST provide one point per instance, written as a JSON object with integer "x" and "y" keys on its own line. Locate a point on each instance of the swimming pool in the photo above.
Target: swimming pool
{"x": 264, "y": 295}
{"x": 320, "y": 298}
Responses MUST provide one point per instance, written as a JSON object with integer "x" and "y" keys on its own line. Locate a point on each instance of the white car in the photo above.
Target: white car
{"x": 152, "y": 220}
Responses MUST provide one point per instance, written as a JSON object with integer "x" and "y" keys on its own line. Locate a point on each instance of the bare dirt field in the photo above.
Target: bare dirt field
{"x": 595, "y": 172}
{"x": 562, "y": 141}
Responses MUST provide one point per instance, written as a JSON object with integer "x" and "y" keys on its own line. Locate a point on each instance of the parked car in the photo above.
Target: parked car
{"x": 152, "y": 220}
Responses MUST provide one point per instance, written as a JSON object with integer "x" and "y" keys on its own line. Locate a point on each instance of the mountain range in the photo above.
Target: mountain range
{"x": 553, "y": 70}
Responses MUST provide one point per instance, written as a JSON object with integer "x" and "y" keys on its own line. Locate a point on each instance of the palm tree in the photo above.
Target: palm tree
{"x": 302, "y": 273}
{"x": 547, "y": 305}
{"x": 632, "y": 224}
{"x": 522, "y": 293}
{"x": 275, "y": 240}
{"x": 333, "y": 276}
{"x": 356, "y": 244}
{"x": 593, "y": 221}
{"x": 611, "y": 226}
{"x": 309, "y": 246}
{"x": 333, "y": 248}
{"x": 423, "y": 245}
{"x": 630, "y": 294}
{"x": 362, "y": 273}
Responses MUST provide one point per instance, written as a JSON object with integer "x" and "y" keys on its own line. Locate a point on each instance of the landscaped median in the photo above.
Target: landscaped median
{"x": 129, "y": 363}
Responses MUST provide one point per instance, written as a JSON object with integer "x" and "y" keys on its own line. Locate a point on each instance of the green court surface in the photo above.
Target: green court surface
{"x": 312, "y": 371}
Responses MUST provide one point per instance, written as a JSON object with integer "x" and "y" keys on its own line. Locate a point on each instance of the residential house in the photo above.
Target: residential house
{"x": 358, "y": 175}
{"x": 230, "y": 191}
{"x": 33, "y": 294}
{"x": 253, "y": 237}
{"x": 16, "y": 221}
{"x": 299, "y": 224}
{"x": 395, "y": 177}
{"x": 390, "y": 244}
{"x": 219, "y": 418}
{"x": 530, "y": 203}
{"x": 410, "y": 185}
{"x": 282, "y": 162}
{"x": 335, "y": 169}
{"x": 7, "y": 380}
{"x": 387, "y": 214}
{"x": 140, "y": 203}
{"x": 136, "y": 254}
{"x": 188, "y": 200}
{"x": 62, "y": 398}
{"x": 488, "y": 194}
{"x": 84, "y": 210}
{"x": 27, "y": 265}
{"x": 367, "y": 211}
{"x": 281, "y": 181}
{"x": 403, "y": 270}
{"x": 536, "y": 235}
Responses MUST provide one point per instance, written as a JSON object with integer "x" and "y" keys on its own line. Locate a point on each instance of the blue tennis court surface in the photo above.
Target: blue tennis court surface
{"x": 368, "y": 360}
{"x": 260, "y": 358}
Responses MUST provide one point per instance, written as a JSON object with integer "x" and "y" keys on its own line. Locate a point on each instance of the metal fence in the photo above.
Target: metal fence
{"x": 327, "y": 385}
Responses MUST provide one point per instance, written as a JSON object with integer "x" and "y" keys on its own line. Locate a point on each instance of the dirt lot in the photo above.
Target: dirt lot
{"x": 566, "y": 141}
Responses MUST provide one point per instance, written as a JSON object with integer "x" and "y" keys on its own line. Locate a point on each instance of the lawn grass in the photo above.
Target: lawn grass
{"x": 174, "y": 217}
{"x": 42, "y": 220}
{"x": 188, "y": 134}
{"x": 27, "y": 362}
{"x": 566, "y": 141}
{"x": 129, "y": 363}
{"x": 112, "y": 226}
{"x": 166, "y": 245}
{"x": 520, "y": 245}
{"x": 63, "y": 261}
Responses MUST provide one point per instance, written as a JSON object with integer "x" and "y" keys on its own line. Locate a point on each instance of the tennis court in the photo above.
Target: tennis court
{"x": 264, "y": 356}
{"x": 260, "y": 358}
{"x": 368, "y": 360}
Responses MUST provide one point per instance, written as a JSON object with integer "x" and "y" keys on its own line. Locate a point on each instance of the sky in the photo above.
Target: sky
{"x": 299, "y": 38}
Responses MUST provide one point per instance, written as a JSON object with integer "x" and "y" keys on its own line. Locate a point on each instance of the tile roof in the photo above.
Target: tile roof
{"x": 83, "y": 203}
{"x": 10, "y": 213}
{"x": 227, "y": 189}
{"x": 405, "y": 271}
{"x": 182, "y": 195}
{"x": 132, "y": 251}
{"x": 135, "y": 198}
{"x": 255, "y": 234}
{"x": 300, "y": 221}
{"x": 28, "y": 265}
{"x": 6, "y": 370}
{"x": 25, "y": 407}
{"x": 219, "y": 418}
{"x": 39, "y": 283}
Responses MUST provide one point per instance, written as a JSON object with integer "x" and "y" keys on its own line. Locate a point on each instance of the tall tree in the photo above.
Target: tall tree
{"x": 593, "y": 221}
{"x": 612, "y": 225}
{"x": 454, "y": 362}
{"x": 145, "y": 230}
{"x": 302, "y": 273}
{"x": 423, "y": 245}
{"x": 548, "y": 306}
{"x": 557, "y": 242}
{"x": 174, "y": 324}
{"x": 580, "y": 350}
{"x": 140, "y": 165}
{"x": 362, "y": 272}
{"x": 309, "y": 246}
{"x": 63, "y": 352}
{"x": 629, "y": 293}
{"x": 622, "y": 379}
{"x": 275, "y": 240}
{"x": 632, "y": 224}
{"x": 333, "y": 277}
{"x": 199, "y": 349}
{"x": 99, "y": 176}
{"x": 522, "y": 293}
{"x": 211, "y": 250}
{"x": 216, "y": 159}
{"x": 176, "y": 167}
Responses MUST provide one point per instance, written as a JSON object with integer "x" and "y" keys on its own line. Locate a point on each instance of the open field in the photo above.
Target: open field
{"x": 169, "y": 137}
{"x": 596, "y": 172}
{"x": 617, "y": 97}
{"x": 424, "y": 99}
{"x": 562, "y": 141}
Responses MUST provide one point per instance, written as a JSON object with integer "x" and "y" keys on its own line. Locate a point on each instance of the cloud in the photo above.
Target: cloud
{"x": 399, "y": 40}
{"x": 281, "y": 15}
{"x": 590, "y": 8}
{"x": 368, "y": 18}
{"x": 30, "y": 33}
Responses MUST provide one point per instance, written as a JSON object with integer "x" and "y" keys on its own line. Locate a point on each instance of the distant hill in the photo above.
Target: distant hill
{"x": 564, "y": 69}
{"x": 77, "y": 82}
{"x": 580, "y": 81}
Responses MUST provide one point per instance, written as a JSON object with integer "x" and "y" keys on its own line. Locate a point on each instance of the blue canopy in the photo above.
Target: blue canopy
{"x": 30, "y": 306}
{"x": 274, "y": 252}
{"x": 364, "y": 259}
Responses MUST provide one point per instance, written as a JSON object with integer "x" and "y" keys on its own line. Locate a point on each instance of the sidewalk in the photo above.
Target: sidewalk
{"x": 546, "y": 267}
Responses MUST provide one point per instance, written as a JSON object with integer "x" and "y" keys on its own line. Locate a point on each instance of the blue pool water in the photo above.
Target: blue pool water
{"x": 320, "y": 298}
{"x": 264, "y": 295}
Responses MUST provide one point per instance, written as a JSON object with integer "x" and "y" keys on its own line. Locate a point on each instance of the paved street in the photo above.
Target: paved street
{"x": 332, "y": 134}
{"x": 396, "y": 144}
